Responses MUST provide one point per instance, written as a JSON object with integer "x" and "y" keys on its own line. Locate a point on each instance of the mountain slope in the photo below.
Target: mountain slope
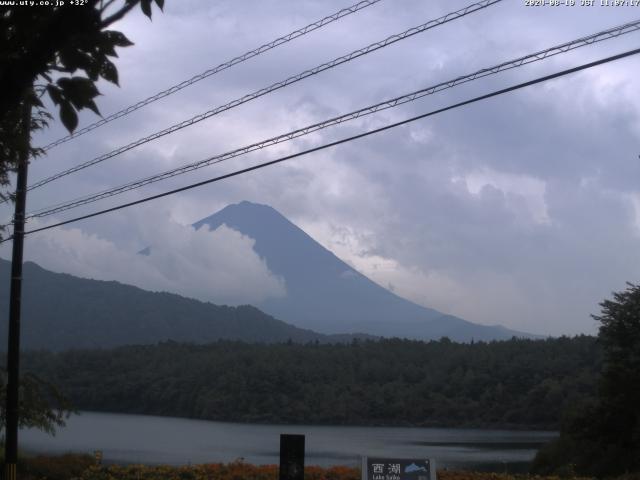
{"x": 60, "y": 311}
{"x": 327, "y": 295}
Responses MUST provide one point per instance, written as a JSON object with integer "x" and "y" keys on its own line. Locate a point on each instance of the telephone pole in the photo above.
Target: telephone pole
{"x": 13, "y": 351}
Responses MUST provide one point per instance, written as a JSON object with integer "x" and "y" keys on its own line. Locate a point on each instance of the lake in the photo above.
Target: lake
{"x": 177, "y": 441}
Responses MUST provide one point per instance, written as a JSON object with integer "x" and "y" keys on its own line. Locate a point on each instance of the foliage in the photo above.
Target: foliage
{"x": 603, "y": 437}
{"x": 82, "y": 468}
{"x": 218, "y": 471}
{"x": 62, "y": 467}
{"x": 620, "y": 385}
{"x": 42, "y": 51}
{"x": 13, "y": 143}
{"x": 517, "y": 383}
{"x": 41, "y": 404}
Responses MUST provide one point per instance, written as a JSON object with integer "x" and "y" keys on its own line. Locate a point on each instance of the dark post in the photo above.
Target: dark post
{"x": 291, "y": 457}
{"x": 13, "y": 352}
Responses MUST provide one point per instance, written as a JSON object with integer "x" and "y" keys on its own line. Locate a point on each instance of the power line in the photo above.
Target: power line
{"x": 613, "y": 32}
{"x": 217, "y": 69}
{"x": 344, "y": 140}
{"x": 276, "y": 86}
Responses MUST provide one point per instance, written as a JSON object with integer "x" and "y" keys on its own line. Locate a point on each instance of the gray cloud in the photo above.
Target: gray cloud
{"x": 218, "y": 266}
{"x": 523, "y": 210}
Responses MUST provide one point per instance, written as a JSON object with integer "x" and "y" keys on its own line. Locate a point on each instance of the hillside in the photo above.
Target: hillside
{"x": 60, "y": 311}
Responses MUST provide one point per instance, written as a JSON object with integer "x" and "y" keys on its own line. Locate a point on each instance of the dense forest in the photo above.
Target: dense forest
{"x": 517, "y": 383}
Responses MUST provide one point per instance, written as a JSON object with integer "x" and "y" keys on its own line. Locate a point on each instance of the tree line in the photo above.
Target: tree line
{"x": 515, "y": 384}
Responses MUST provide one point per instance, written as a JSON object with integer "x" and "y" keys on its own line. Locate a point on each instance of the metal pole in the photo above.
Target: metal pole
{"x": 291, "y": 457}
{"x": 13, "y": 352}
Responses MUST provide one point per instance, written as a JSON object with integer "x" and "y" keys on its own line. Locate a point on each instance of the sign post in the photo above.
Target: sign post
{"x": 374, "y": 468}
{"x": 291, "y": 457}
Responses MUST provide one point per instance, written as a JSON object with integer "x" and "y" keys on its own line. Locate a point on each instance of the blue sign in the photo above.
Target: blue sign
{"x": 374, "y": 468}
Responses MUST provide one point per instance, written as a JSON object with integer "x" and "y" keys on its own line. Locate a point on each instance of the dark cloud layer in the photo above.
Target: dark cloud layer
{"x": 523, "y": 210}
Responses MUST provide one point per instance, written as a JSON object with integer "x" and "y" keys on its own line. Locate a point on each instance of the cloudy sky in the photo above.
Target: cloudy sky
{"x": 522, "y": 210}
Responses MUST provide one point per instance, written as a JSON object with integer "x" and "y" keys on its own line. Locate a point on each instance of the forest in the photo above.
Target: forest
{"x": 509, "y": 384}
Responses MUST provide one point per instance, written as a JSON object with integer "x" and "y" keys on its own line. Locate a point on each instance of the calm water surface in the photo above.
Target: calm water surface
{"x": 176, "y": 441}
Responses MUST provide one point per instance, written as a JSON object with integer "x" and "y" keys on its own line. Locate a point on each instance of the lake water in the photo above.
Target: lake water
{"x": 177, "y": 441}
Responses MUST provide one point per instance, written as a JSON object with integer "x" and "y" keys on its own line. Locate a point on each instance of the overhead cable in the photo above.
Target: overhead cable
{"x": 394, "y": 102}
{"x": 341, "y": 141}
{"x": 217, "y": 69}
{"x": 276, "y": 86}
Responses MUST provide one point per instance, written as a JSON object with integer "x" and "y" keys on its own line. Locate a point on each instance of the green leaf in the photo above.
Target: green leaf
{"x": 116, "y": 38}
{"x": 146, "y": 7}
{"x": 55, "y": 94}
{"x": 160, "y": 4}
{"x": 107, "y": 47}
{"x": 36, "y": 102}
{"x": 79, "y": 91}
{"x": 73, "y": 59}
{"x": 68, "y": 116}
{"x": 91, "y": 105}
{"x": 77, "y": 87}
{"x": 93, "y": 72}
{"x": 109, "y": 72}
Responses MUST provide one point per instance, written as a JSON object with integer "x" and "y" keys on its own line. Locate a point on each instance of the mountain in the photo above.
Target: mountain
{"x": 327, "y": 295}
{"x": 60, "y": 311}
{"x": 324, "y": 294}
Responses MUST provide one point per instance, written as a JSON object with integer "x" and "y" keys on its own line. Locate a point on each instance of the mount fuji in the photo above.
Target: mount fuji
{"x": 326, "y": 295}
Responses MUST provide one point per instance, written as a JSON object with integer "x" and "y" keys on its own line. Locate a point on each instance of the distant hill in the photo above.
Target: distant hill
{"x": 327, "y": 295}
{"x": 60, "y": 311}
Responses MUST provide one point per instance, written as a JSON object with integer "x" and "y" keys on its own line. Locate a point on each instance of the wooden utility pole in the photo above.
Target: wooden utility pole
{"x": 13, "y": 351}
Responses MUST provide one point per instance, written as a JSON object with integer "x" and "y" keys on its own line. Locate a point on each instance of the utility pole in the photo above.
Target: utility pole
{"x": 13, "y": 351}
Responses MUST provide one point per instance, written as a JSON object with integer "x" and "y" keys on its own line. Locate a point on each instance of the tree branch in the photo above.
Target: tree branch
{"x": 119, "y": 14}
{"x": 104, "y": 7}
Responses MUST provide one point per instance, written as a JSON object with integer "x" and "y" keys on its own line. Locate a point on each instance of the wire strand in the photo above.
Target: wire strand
{"x": 341, "y": 141}
{"x": 217, "y": 69}
{"x": 613, "y": 32}
{"x": 276, "y": 86}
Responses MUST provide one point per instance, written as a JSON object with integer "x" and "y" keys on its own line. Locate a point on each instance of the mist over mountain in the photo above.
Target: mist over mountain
{"x": 327, "y": 295}
{"x": 325, "y": 300}
{"x": 60, "y": 311}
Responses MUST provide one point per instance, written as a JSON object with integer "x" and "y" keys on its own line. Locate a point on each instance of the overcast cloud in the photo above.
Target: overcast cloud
{"x": 179, "y": 259}
{"x": 522, "y": 210}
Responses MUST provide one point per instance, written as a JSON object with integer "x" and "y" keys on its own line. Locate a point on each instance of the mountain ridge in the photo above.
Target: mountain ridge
{"x": 61, "y": 311}
{"x": 327, "y": 295}
{"x": 326, "y": 301}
